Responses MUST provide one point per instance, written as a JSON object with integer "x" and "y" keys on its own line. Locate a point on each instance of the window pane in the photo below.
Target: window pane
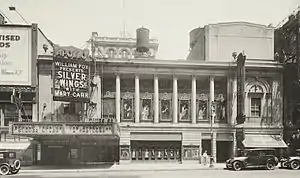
{"x": 255, "y": 107}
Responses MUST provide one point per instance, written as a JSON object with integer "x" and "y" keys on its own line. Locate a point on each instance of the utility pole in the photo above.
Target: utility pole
{"x": 212, "y": 116}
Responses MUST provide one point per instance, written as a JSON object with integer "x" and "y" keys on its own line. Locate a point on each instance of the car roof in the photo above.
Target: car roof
{"x": 258, "y": 149}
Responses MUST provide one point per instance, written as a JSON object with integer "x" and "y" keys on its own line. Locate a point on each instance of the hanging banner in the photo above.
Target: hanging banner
{"x": 71, "y": 80}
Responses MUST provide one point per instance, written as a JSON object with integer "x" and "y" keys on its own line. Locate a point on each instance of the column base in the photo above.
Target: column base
{"x": 190, "y": 162}
{"x": 125, "y": 161}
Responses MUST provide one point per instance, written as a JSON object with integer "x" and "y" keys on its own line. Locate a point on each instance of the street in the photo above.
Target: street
{"x": 278, "y": 173}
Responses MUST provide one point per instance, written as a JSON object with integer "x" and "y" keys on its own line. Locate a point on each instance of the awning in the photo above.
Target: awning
{"x": 14, "y": 145}
{"x": 263, "y": 141}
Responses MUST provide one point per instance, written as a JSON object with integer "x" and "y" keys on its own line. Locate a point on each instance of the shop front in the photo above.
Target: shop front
{"x": 78, "y": 150}
{"x": 168, "y": 151}
{"x": 152, "y": 147}
{"x": 72, "y": 143}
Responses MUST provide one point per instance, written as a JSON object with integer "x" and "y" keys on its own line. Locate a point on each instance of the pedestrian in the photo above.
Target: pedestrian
{"x": 205, "y": 157}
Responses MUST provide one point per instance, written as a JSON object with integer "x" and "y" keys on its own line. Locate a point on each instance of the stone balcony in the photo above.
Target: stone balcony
{"x": 37, "y": 129}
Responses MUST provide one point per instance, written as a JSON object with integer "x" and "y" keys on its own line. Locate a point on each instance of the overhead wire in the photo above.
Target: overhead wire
{"x": 5, "y": 16}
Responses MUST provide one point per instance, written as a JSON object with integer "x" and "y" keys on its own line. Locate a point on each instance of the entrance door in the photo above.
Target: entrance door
{"x": 206, "y": 146}
{"x": 223, "y": 150}
{"x": 55, "y": 155}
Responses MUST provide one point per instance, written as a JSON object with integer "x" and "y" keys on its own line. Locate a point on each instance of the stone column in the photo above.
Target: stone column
{"x": 137, "y": 100}
{"x": 175, "y": 101}
{"x": 35, "y": 113}
{"x": 234, "y": 101}
{"x": 98, "y": 96}
{"x": 156, "y": 100}
{"x": 200, "y": 149}
{"x": 211, "y": 115}
{"x": 214, "y": 146}
{"x": 194, "y": 99}
{"x": 1, "y": 118}
{"x": 20, "y": 109}
{"x": 118, "y": 98}
{"x": 211, "y": 94}
{"x": 234, "y": 144}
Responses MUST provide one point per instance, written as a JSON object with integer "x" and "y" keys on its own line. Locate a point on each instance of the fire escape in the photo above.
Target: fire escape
{"x": 287, "y": 52}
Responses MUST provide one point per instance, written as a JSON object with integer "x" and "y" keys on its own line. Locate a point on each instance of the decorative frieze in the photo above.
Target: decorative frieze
{"x": 184, "y": 107}
{"x": 109, "y": 94}
{"x": 165, "y": 106}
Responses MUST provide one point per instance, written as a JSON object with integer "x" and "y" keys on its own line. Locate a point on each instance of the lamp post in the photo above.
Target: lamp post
{"x": 212, "y": 116}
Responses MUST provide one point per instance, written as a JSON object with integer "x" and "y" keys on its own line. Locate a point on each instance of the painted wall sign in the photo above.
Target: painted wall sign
{"x": 71, "y": 80}
{"x": 15, "y": 56}
{"x": 60, "y": 129}
{"x": 71, "y": 53}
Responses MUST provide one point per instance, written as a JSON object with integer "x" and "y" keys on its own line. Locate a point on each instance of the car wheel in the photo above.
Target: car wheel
{"x": 17, "y": 164}
{"x": 4, "y": 169}
{"x": 237, "y": 166}
{"x": 270, "y": 165}
{"x": 284, "y": 164}
{"x": 15, "y": 171}
{"x": 295, "y": 165}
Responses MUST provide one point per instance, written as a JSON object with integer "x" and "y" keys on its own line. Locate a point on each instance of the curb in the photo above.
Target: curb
{"x": 120, "y": 170}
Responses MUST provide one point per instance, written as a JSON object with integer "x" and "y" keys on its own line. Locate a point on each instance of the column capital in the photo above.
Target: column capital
{"x": 174, "y": 76}
{"x": 136, "y": 75}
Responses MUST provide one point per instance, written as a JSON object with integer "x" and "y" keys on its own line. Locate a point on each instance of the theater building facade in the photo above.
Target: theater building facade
{"x": 173, "y": 110}
{"x": 36, "y": 121}
{"x": 144, "y": 109}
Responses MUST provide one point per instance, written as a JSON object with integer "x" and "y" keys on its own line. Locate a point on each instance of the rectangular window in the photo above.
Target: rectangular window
{"x": 109, "y": 107}
{"x": 255, "y": 107}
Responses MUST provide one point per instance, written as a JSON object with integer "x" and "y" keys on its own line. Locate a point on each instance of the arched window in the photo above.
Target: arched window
{"x": 124, "y": 53}
{"x": 111, "y": 53}
{"x": 256, "y": 94}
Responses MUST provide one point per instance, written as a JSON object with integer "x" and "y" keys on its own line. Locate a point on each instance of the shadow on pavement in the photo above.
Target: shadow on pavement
{"x": 44, "y": 167}
{"x": 252, "y": 169}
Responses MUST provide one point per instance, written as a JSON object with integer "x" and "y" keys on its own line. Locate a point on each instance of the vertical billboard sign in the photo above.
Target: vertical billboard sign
{"x": 15, "y": 55}
{"x": 71, "y": 76}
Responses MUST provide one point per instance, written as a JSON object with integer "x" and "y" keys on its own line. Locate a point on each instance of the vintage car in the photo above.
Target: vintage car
{"x": 253, "y": 158}
{"x": 9, "y": 164}
{"x": 292, "y": 162}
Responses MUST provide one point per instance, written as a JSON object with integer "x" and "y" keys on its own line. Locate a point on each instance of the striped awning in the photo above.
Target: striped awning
{"x": 263, "y": 141}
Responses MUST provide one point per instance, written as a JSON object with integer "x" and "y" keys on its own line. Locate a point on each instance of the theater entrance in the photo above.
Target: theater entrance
{"x": 156, "y": 151}
{"x": 55, "y": 155}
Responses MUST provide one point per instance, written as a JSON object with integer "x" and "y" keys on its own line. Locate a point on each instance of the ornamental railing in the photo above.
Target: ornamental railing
{"x": 32, "y": 129}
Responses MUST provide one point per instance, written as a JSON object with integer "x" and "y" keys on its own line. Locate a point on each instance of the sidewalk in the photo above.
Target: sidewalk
{"x": 125, "y": 167}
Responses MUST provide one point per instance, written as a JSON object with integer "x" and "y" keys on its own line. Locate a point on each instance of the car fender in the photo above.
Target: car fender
{"x": 294, "y": 158}
{"x": 242, "y": 159}
{"x": 4, "y": 164}
{"x": 272, "y": 160}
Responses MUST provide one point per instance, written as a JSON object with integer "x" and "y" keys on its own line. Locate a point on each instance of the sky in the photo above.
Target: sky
{"x": 71, "y": 22}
